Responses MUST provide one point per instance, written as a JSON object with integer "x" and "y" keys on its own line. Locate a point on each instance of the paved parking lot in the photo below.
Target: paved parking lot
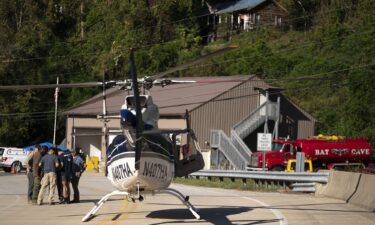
{"x": 216, "y": 206}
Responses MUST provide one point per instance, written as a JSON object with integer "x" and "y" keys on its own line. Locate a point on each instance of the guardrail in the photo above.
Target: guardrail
{"x": 262, "y": 175}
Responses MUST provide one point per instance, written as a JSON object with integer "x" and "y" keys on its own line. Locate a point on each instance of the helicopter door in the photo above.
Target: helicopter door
{"x": 187, "y": 154}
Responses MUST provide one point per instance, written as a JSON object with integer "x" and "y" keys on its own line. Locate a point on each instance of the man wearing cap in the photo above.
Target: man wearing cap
{"x": 49, "y": 163}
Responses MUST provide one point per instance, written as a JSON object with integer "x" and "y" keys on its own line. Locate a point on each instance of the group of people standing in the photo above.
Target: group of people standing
{"x": 50, "y": 167}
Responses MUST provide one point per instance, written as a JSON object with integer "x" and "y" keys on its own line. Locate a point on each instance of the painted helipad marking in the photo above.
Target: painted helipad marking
{"x": 277, "y": 213}
{"x": 126, "y": 215}
{"x": 108, "y": 219}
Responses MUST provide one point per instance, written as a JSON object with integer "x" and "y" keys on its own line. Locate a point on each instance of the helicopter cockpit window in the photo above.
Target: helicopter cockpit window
{"x": 131, "y": 103}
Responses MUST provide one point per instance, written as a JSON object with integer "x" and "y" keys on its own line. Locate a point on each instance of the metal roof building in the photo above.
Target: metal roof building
{"x": 236, "y": 5}
{"x": 216, "y": 103}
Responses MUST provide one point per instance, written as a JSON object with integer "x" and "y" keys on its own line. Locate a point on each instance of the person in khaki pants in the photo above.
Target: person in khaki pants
{"x": 49, "y": 163}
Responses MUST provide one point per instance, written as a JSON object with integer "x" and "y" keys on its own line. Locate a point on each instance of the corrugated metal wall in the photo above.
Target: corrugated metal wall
{"x": 306, "y": 128}
{"x": 225, "y": 110}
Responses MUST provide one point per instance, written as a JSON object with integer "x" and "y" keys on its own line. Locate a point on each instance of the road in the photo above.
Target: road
{"x": 216, "y": 206}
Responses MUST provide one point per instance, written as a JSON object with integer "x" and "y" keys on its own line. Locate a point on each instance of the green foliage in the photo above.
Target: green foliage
{"x": 40, "y": 40}
{"x": 336, "y": 47}
{"x": 79, "y": 41}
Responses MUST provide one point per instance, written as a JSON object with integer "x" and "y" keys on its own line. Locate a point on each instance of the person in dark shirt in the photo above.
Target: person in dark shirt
{"x": 78, "y": 167}
{"x": 36, "y": 173}
{"x": 59, "y": 154}
{"x": 66, "y": 175}
{"x": 49, "y": 163}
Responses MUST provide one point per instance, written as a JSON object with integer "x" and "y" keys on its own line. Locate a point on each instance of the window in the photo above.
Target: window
{"x": 276, "y": 21}
{"x": 277, "y": 147}
{"x": 257, "y": 18}
{"x": 289, "y": 148}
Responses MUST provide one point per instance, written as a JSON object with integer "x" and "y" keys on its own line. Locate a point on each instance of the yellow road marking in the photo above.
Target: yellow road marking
{"x": 108, "y": 219}
{"x": 126, "y": 215}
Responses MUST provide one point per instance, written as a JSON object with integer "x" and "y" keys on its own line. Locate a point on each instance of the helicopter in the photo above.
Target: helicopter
{"x": 144, "y": 159}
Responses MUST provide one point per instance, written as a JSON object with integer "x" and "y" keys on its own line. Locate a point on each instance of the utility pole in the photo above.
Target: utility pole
{"x": 103, "y": 118}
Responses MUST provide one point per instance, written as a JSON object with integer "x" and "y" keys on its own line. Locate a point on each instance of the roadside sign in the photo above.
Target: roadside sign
{"x": 264, "y": 142}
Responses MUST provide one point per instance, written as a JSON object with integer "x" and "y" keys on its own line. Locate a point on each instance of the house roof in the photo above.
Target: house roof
{"x": 172, "y": 100}
{"x": 236, "y": 5}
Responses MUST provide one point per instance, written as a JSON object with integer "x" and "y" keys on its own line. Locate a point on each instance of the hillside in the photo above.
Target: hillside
{"x": 327, "y": 67}
{"x": 324, "y": 62}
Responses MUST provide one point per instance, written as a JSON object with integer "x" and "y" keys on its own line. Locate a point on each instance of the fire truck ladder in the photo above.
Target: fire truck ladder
{"x": 234, "y": 148}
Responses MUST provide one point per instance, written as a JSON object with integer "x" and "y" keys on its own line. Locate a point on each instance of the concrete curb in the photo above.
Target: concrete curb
{"x": 341, "y": 185}
{"x": 364, "y": 195}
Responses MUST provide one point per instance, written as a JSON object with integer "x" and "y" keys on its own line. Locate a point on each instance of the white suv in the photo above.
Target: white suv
{"x": 12, "y": 158}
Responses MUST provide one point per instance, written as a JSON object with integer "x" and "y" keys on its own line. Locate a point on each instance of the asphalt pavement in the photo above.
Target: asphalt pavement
{"x": 216, "y": 206}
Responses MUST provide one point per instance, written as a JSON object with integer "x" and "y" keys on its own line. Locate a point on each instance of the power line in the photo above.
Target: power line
{"x": 249, "y": 57}
{"x": 298, "y": 89}
{"x": 294, "y": 89}
{"x": 142, "y": 46}
{"x": 53, "y": 75}
{"x": 313, "y": 77}
{"x": 292, "y": 48}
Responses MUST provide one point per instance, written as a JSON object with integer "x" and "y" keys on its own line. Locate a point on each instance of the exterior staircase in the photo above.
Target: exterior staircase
{"x": 234, "y": 148}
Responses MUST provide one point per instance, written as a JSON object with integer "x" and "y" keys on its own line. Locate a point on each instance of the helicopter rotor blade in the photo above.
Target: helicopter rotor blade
{"x": 124, "y": 83}
{"x": 46, "y": 86}
{"x": 138, "y": 113}
{"x": 165, "y": 82}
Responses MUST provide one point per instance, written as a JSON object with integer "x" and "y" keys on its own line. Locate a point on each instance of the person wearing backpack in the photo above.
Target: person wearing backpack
{"x": 78, "y": 167}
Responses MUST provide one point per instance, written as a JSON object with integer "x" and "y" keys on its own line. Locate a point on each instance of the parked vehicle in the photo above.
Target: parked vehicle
{"x": 325, "y": 153}
{"x": 12, "y": 158}
{"x": 370, "y": 169}
{"x": 1, "y": 154}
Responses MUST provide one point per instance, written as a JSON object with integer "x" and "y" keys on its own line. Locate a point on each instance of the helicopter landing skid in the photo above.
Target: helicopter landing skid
{"x": 184, "y": 200}
{"x": 100, "y": 203}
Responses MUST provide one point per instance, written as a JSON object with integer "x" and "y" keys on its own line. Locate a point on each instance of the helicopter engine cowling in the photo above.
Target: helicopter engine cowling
{"x": 150, "y": 112}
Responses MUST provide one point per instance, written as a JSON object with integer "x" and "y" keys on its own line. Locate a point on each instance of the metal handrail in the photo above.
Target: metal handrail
{"x": 262, "y": 175}
{"x": 235, "y": 127}
{"x": 229, "y": 150}
{"x": 255, "y": 116}
{"x": 241, "y": 146}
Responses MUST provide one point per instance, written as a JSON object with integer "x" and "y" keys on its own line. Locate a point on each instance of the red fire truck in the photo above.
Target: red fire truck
{"x": 325, "y": 153}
